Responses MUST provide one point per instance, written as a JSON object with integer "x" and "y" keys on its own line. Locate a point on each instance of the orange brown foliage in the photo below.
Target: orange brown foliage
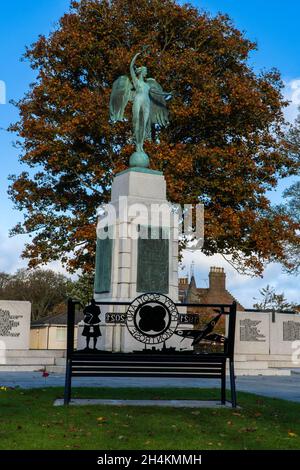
{"x": 224, "y": 147}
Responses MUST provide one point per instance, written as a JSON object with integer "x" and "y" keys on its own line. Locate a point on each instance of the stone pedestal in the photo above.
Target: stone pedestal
{"x": 128, "y": 265}
{"x": 140, "y": 255}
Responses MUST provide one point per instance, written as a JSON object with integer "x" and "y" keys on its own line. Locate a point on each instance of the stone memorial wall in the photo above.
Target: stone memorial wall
{"x": 266, "y": 333}
{"x": 284, "y": 330}
{"x": 14, "y": 324}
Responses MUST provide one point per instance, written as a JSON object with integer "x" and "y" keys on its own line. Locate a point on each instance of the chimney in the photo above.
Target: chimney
{"x": 217, "y": 279}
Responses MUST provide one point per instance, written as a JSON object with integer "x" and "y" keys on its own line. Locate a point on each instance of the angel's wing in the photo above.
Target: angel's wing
{"x": 120, "y": 95}
{"x": 158, "y": 106}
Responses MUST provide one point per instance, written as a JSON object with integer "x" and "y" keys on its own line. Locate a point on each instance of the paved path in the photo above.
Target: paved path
{"x": 163, "y": 403}
{"x": 287, "y": 388}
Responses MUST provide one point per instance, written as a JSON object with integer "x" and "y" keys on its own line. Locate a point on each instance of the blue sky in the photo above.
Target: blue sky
{"x": 273, "y": 24}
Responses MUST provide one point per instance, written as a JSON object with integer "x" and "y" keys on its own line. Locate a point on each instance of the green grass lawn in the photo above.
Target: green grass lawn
{"x": 28, "y": 420}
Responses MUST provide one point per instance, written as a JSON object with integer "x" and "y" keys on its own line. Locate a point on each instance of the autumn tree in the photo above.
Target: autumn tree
{"x": 225, "y": 146}
{"x": 291, "y": 208}
{"x": 291, "y": 201}
{"x": 45, "y": 289}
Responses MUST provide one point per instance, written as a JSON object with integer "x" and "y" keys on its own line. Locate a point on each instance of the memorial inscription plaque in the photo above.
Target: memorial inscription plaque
{"x": 291, "y": 331}
{"x": 249, "y": 331}
{"x": 14, "y": 324}
{"x": 284, "y": 332}
{"x": 252, "y": 333}
{"x": 9, "y": 324}
{"x": 103, "y": 265}
{"x": 153, "y": 262}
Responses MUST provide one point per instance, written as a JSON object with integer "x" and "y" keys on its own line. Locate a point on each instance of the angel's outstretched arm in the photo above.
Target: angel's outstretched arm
{"x": 161, "y": 93}
{"x": 132, "y": 71}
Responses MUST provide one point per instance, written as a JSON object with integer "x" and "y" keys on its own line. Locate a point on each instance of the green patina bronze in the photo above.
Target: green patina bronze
{"x": 149, "y": 108}
{"x": 103, "y": 265}
{"x": 153, "y": 263}
{"x": 141, "y": 170}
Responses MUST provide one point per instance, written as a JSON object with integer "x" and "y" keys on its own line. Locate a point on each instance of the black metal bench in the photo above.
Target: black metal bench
{"x": 181, "y": 364}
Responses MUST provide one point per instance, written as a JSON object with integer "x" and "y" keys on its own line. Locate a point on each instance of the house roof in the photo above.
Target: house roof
{"x": 190, "y": 293}
{"x": 210, "y": 297}
{"x": 60, "y": 319}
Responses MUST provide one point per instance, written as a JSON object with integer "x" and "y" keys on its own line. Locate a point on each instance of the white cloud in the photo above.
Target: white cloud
{"x": 292, "y": 93}
{"x": 10, "y": 255}
{"x": 57, "y": 267}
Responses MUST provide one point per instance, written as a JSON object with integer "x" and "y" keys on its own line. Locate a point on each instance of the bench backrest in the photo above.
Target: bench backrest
{"x": 228, "y": 352}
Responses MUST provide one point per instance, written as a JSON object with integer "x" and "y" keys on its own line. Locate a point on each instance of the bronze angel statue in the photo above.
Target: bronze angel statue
{"x": 149, "y": 107}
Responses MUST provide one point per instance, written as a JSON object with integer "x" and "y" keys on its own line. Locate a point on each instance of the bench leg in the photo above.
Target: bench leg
{"x": 232, "y": 384}
{"x": 68, "y": 383}
{"x": 223, "y": 385}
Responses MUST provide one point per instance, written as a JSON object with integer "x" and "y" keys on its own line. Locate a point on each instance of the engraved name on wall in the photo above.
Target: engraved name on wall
{"x": 14, "y": 324}
{"x": 291, "y": 330}
{"x": 9, "y": 324}
{"x": 250, "y": 331}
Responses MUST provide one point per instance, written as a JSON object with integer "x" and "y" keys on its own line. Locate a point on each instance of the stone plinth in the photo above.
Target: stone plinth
{"x": 140, "y": 185}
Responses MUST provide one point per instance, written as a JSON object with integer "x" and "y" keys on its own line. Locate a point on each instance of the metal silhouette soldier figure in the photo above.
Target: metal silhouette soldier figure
{"x": 91, "y": 322}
